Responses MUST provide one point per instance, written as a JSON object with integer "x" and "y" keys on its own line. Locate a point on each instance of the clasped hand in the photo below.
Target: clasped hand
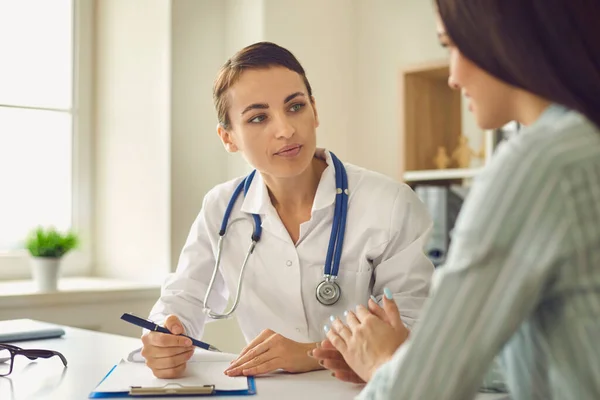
{"x": 355, "y": 350}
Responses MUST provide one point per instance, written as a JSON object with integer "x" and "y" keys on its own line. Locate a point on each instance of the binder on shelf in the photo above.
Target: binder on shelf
{"x": 444, "y": 204}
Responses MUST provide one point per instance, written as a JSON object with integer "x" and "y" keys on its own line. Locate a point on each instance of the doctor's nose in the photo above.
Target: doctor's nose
{"x": 283, "y": 128}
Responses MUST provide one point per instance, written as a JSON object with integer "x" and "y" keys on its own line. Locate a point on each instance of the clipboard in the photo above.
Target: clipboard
{"x": 171, "y": 389}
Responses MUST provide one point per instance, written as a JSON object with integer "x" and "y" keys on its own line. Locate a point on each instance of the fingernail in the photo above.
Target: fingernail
{"x": 188, "y": 342}
{"x": 326, "y": 328}
{"x": 309, "y": 353}
{"x": 374, "y": 298}
{"x": 332, "y": 318}
{"x": 388, "y": 293}
{"x": 345, "y": 313}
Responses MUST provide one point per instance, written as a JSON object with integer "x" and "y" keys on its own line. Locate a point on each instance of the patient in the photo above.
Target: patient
{"x": 522, "y": 278}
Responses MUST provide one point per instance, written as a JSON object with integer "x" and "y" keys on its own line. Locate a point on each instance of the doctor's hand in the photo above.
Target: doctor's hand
{"x": 167, "y": 354}
{"x": 370, "y": 338}
{"x": 269, "y": 352}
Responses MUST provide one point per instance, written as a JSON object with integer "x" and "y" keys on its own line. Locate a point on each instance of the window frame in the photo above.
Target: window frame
{"x": 15, "y": 264}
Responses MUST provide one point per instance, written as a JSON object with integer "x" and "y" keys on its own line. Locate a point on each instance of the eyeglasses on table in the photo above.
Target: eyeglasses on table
{"x": 8, "y": 352}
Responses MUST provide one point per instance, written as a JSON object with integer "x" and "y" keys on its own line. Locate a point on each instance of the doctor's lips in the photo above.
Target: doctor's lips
{"x": 291, "y": 150}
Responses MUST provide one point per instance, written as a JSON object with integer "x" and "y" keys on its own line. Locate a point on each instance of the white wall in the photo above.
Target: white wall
{"x": 198, "y": 160}
{"x": 391, "y": 34}
{"x": 197, "y": 156}
{"x": 132, "y": 125}
{"x": 321, "y": 35}
{"x": 244, "y": 25}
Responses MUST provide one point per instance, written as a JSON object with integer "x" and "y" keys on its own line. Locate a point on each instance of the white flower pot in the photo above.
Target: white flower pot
{"x": 45, "y": 273}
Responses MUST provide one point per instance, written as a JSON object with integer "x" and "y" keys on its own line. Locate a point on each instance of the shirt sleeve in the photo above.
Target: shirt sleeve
{"x": 403, "y": 266}
{"x": 183, "y": 291}
{"x": 503, "y": 246}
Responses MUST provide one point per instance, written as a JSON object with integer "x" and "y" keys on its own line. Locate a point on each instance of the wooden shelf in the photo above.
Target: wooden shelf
{"x": 440, "y": 174}
{"x": 430, "y": 115}
{"x": 437, "y": 69}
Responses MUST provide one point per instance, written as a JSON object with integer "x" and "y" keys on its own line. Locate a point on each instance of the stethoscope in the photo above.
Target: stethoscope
{"x": 328, "y": 292}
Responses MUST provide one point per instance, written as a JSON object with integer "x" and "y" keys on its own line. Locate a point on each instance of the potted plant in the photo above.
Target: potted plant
{"x": 47, "y": 247}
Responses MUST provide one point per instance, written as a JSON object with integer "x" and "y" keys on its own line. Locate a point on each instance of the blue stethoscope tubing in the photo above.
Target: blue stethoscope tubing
{"x": 336, "y": 239}
{"x": 330, "y": 291}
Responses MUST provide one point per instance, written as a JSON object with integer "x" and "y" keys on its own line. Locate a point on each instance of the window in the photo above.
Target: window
{"x": 44, "y": 123}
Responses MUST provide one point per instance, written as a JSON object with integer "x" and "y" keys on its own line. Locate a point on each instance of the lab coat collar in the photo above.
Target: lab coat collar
{"x": 257, "y": 200}
{"x": 326, "y": 190}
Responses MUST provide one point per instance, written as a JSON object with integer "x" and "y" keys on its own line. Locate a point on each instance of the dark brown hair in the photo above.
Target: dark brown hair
{"x": 255, "y": 56}
{"x": 548, "y": 47}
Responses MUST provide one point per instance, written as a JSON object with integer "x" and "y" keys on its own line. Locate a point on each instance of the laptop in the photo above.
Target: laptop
{"x": 18, "y": 330}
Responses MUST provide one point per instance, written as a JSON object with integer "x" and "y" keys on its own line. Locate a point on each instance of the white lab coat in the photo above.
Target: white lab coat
{"x": 386, "y": 229}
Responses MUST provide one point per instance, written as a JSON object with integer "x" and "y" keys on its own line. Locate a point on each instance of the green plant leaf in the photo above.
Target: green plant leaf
{"x": 48, "y": 242}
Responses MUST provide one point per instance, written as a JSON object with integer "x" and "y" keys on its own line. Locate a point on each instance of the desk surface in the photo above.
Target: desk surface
{"x": 90, "y": 356}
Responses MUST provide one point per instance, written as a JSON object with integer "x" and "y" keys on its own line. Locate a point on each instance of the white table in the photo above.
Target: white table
{"x": 91, "y": 355}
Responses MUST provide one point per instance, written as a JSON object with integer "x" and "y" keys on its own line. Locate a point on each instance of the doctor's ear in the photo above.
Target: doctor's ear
{"x": 314, "y": 107}
{"x": 227, "y": 139}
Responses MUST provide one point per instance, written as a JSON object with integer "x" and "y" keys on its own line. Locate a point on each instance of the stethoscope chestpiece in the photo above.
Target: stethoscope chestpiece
{"x": 328, "y": 291}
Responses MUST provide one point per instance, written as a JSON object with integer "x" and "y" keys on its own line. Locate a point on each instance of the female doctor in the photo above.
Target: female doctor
{"x": 306, "y": 235}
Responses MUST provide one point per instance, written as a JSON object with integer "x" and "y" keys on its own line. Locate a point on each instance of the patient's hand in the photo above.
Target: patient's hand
{"x": 370, "y": 337}
{"x": 269, "y": 352}
{"x": 167, "y": 355}
{"x": 330, "y": 358}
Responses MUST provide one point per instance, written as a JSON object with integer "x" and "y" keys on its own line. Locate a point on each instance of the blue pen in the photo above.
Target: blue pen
{"x": 151, "y": 326}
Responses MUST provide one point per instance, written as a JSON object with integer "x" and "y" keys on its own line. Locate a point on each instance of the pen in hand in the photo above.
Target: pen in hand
{"x": 151, "y": 326}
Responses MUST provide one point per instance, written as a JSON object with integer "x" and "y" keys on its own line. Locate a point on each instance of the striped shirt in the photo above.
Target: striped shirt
{"x": 522, "y": 280}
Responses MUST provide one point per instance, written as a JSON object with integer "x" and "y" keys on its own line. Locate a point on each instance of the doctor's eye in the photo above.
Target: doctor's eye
{"x": 257, "y": 119}
{"x": 297, "y": 107}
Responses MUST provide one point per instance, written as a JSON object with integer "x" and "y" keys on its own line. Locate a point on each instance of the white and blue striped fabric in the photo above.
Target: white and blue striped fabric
{"x": 522, "y": 279}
